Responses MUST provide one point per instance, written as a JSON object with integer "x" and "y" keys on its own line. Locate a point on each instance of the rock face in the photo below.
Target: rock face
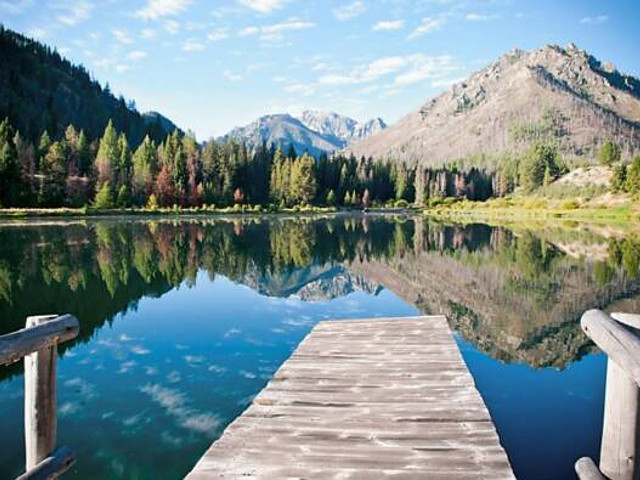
{"x": 560, "y": 92}
{"x": 314, "y": 132}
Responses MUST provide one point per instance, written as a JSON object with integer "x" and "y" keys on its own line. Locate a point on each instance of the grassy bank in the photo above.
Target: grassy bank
{"x": 16, "y": 213}
{"x": 517, "y": 209}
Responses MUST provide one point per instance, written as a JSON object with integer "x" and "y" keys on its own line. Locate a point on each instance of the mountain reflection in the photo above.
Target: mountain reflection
{"x": 515, "y": 296}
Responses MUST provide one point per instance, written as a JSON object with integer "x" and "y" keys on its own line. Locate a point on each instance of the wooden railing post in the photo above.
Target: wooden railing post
{"x": 619, "y": 338}
{"x": 619, "y": 449}
{"x": 40, "y": 399}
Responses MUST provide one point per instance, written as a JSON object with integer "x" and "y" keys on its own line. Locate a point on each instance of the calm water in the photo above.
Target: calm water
{"x": 183, "y": 322}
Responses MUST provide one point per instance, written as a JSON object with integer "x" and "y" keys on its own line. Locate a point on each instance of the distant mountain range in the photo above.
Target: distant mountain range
{"x": 562, "y": 94}
{"x": 312, "y": 131}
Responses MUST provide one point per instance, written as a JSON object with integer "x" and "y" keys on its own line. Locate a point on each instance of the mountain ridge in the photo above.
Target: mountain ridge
{"x": 563, "y": 93}
{"x": 315, "y": 132}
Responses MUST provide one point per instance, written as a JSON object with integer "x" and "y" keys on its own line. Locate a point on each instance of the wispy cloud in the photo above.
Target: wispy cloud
{"x": 276, "y": 31}
{"x": 192, "y": 45}
{"x": 428, "y": 25}
{"x": 122, "y": 36}
{"x": 137, "y": 55}
{"x": 479, "y": 17}
{"x": 73, "y": 11}
{"x": 349, "y": 10}
{"x": 148, "y": 33}
{"x": 15, "y": 7}
{"x": 386, "y": 25}
{"x": 597, "y": 20}
{"x": 218, "y": 34}
{"x": 400, "y": 71}
{"x": 172, "y": 27}
{"x": 230, "y": 75}
{"x": 263, "y": 6}
{"x": 155, "y": 9}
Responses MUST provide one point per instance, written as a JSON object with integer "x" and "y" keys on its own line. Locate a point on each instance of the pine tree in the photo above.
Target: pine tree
{"x": 104, "y": 197}
{"x": 331, "y": 198}
{"x": 145, "y": 163}
{"x": 619, "y": 178}
{"x": 107, "y": 157}
{"x": 55, "y": 171}
{"x": 9, "y": 167}
{"x": 366, "y": 199}
{"x": 303, "y": 181}
{"x": 633, "y": 176}
{"x": 609, "y": 153}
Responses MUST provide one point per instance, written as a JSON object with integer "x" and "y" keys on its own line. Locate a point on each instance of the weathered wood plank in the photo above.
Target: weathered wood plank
{"x": 51, "y": 467}
{"x": 363, "y": 399}
{"x": 49, "y": 330}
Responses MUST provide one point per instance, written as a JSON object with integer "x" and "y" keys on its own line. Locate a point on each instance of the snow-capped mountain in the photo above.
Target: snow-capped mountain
{"x": 314, "y": 132}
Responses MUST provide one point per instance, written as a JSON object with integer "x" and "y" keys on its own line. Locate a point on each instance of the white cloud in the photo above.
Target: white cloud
{"x": 73, "y": 11}
{"x": 479, "y": 17}
{"x": 234, "y": 77}
{"x": 349, "y": 10}
{"x": 192, "y": 45}
{"x": 388, "y": 25}
{"x": 263, "y": 6}
{"x": 15, "y": 7}
{"x": 407, "y": 70}
{"x": 218, "y": 34}
{"x": 366, "y": 73}
{"x": 597, "y": 20}
{"x": 137, "y": 55}
{"x": 428, "y": 25}
{"x": 424, "y": 67}
{"x": 148, "y": 33}
{"x": 172, "y": 26}
{"x": 304, "y": 89}
{"x": 155, "y": 9}
{"x": 122, "y": 36}
{"x": 275, "y": 31}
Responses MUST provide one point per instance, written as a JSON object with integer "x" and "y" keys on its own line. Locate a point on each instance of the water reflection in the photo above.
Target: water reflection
{"x": 183, "y": 321}
{"x": 514, "y": 296}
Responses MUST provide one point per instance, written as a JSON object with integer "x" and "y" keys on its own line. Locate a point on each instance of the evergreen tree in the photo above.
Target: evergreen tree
{"x": 55, "y": 170}
{"x": 633, "y": 176}
{"x": 540, "y": 158}
{"x": 107, "y": 157}
{"x": 104, "y": 197}
{"x": 303, "y": 181}
{"x": 609, "y": 153}
{"x": 331, "y": 198}
{"x": 145, "y": 164}
{"x": 9, "y": 167}
{"x": 619, "y": 178}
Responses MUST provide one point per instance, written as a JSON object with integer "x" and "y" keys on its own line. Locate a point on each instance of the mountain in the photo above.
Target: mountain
{"x": 315, "y": 132}
{"x": 39, "y": 89}
{"x": 343, "y": 130}
{"x": 553, "y": 92}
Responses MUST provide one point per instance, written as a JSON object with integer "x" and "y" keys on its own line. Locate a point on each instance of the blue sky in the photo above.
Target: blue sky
{"x": 212, "y": 65}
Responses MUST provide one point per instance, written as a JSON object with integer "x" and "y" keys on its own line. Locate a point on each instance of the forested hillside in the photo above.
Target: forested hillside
{"x": 40, "y": 90}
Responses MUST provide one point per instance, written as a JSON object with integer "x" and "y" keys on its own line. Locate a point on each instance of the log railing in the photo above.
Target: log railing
{"x": 37, "y": 343}
{"x": 618, "y": 336}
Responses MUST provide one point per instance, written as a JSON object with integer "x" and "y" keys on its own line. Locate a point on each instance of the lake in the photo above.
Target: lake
{"x": 182, "y": 322}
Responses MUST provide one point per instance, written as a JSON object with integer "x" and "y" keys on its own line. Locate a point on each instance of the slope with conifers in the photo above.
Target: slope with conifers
{"x": 42, "y": 91}
{"x": 563, "y": 93}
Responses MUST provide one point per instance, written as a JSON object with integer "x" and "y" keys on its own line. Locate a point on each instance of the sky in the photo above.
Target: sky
{"x": 213, "y": 65}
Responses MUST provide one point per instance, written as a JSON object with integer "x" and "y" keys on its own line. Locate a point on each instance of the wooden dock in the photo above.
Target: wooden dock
{"x": 365, "y": 399}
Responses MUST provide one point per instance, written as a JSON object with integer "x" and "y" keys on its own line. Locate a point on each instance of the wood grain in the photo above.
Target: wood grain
{"x": 364, "y": 399}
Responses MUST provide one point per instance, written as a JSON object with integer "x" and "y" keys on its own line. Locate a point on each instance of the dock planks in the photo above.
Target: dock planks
{"x": 365, "y": 399}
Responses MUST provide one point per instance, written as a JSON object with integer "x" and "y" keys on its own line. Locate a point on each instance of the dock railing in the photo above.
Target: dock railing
{"x": 618, "y": 336}
{"x": 38, "y": 344}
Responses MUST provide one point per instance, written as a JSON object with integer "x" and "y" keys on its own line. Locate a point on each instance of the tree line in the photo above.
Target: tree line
{"x": 109, "y": 172}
